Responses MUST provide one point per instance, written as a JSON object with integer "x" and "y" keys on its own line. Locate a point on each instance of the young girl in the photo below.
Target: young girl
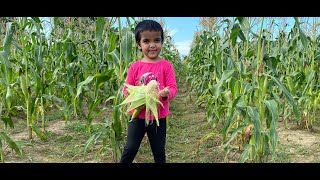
{"x": 149, "y": 37}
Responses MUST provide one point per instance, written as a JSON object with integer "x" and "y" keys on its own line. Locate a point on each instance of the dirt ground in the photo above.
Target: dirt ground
{"x": 298, "y": 145}
{"x": 187, "y": 126}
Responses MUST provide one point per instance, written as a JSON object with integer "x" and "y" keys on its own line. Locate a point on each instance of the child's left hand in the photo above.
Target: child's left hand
{"x": 164, "y": 92}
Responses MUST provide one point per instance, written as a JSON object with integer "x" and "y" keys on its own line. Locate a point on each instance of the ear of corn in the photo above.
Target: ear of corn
{"x": 145, "y": 95}
{"x": 135, "y": 113}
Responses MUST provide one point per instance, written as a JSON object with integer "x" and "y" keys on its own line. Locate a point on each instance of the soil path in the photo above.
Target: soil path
{"x": 187, "y": 126}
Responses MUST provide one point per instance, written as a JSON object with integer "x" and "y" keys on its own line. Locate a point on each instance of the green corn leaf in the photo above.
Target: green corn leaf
{"x": 1, "y": 152}
{"x": 126, "y": 44}
{"x": 135, "y": 113}
{"x": 39, "y": 133}
{"x": 254, "y": 115}
{"x": 153, "y": 107}
{"x": 115, "y": 56}
{"x": 7, "y": 120}
{"x": 301, "y": 33}
{"x": 23, "y": 85}
{"x": 143, "y": 95}
{"x": 156, "y": 100}
{"x": 245, "y": 154}
{"x": 8, "y": 97}
{"x": 11, "y": 143}
{"x": 289, "y": 98}
{"x": 132, "y": 97}
{"x": 8, "y": 38}
{"x": 81, "y": 84}
{"x": 147, "y": 116}
{"x": 100, "y": 27}
{"x": 136, "y": 104}
{"x": 235, "y": 133}
{"x": 273, "y": 108}
{"x": 310, "y": 78}
{"x": 228, "y": 123}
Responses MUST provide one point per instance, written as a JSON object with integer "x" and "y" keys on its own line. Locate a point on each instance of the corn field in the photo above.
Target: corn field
{"x": 250, "y": 79}
{"x": 80, "y": 65}
{"x": 245, "y": 74}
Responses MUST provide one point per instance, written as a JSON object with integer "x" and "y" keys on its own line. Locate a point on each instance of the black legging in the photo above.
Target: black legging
{"x": 156, "y": 135}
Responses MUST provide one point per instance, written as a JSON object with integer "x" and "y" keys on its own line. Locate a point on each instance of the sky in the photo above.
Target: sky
{"x": 182, "y": 29}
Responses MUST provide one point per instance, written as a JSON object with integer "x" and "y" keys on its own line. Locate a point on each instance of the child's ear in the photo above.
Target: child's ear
{"x": 139, "y": 46}
{"x": 138, "y": 43}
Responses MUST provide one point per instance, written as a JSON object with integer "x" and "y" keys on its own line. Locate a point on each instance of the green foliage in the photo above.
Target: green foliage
{"x": 272, "y": 76}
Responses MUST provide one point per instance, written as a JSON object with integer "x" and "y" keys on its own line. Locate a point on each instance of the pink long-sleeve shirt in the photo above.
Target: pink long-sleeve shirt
{"x": 142, "y": 72}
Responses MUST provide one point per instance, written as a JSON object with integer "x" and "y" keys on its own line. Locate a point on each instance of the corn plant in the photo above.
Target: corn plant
{"x": 32, "y": 48}
{"x": 7, "y": 75}
{"x": 239, "y": 77}
{"x": 6, "y": 140}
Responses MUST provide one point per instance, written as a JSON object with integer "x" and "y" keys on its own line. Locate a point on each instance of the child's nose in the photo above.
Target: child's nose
{"x": 152, "y": 45}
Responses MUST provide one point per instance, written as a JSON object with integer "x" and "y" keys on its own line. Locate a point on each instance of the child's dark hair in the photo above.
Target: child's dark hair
{"x": 147, "y": 25}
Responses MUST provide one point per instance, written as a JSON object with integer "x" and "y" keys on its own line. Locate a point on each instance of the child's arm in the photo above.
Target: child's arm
{"x": 170, "y": 91}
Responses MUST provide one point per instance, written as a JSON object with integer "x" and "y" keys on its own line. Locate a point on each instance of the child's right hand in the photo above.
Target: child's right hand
{"x": 141, "y": 107}
{"x": 164, "y": 92}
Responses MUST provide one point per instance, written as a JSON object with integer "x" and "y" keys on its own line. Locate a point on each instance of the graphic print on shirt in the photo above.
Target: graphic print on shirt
{"x": 147, "y": 77}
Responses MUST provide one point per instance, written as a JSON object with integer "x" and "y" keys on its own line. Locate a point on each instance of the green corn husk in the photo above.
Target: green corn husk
{"x": 145, "y": 95}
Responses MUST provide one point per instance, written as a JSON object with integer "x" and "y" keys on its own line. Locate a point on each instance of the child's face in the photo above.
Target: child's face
{"x": 150, "y": 44}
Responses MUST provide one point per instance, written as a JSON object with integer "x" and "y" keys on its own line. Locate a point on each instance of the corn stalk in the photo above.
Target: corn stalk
{"x": 236, "y": 76}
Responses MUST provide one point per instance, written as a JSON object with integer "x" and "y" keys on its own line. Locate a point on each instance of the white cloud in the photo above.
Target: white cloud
{"x": 183, "y": 47}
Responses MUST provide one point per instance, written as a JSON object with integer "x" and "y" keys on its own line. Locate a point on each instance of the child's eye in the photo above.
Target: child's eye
{"x": 145, "y": 40}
